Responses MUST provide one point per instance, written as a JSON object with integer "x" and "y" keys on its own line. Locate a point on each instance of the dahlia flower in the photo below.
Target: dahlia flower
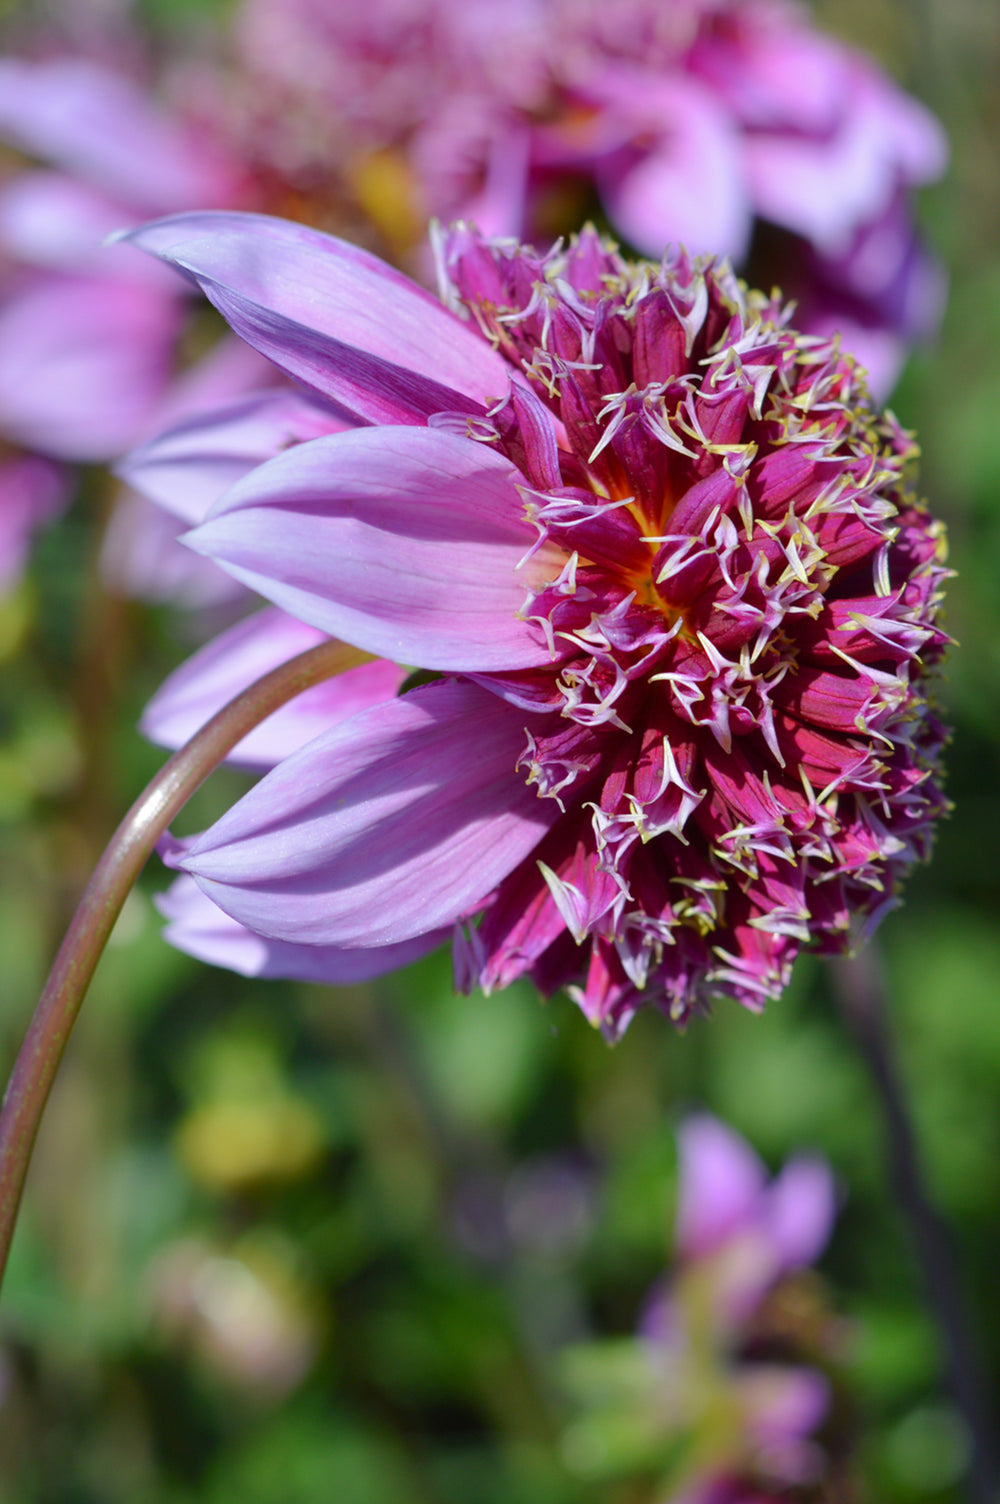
{"x": 662, "y": 562}
{"x": 711, "y": 1382}
{"x": 697, "y": 121}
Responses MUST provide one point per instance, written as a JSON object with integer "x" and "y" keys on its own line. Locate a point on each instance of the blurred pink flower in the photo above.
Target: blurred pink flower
{"x": 737, "y": 1237}
{"x": 730, "y": 125}
{"x": 694, "y": 121}
{"x": 88, "y": 334}
{"x": 713, "y": 1397}
{"x": 664, "y": 559}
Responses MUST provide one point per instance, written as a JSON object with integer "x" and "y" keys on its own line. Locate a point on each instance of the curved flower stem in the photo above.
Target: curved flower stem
{"x": 123, "y": 860}
{"x": 861, "y": 992}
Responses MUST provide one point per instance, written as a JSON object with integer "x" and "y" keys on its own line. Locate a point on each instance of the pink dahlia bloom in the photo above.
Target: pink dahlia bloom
{"x": 694, "y": 121}
{"x": 663, "y": 563}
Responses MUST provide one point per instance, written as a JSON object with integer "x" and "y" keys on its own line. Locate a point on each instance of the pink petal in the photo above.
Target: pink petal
{"x": 196, "y": 926}
{"x": 32, "y": 492}
{"x": 53, "y": 221}
{"x": 230, "y": 370}
{"x": 98, "y": 125}
{"x": 403, "y": 541}
{"x": 721, "y": 1182}
{"x": 188, "y": 467}
{"x": 142, "y": 557}
{"x": 826, "y": 187}
{"x": 82, "y": 362}
{"x": 800, "y": 1206}
{"x": 333, "y": 316}
{"x": 393, "y": 824}
{"x": 233, "y": 661}
{"x": 783, "y": 1405}
{"x": 689, "y": 186}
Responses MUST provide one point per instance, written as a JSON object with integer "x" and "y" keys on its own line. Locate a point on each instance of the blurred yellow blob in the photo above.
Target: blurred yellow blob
{"x": 246, "y": 1124}
{"x": 227, "y": 1145}
{"x": 386, "y": 189}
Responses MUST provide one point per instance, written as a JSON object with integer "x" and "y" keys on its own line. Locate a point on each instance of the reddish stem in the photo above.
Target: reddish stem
{"x": 124, "y": 857}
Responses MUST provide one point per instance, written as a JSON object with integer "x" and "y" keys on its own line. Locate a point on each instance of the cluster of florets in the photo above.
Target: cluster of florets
{"x": 737, "y": 724}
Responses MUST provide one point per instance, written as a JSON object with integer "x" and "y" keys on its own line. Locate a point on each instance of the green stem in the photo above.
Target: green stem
{"x": 124, "y": 857}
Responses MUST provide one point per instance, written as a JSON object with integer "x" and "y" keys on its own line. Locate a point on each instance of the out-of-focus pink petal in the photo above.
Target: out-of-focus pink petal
{"x": 393, "y": 824}
{"x": 826, "y": 188}
{"x": 403, "y": 541}
{"x": 908, "y": 127}
{"x": 32, "y": 492}
{"x": 233, "y": 661}
{"x": 187, "y": 468}
{"x": 52, "y": 221}
{"x": 82, "y": 362}
{"x": 799, "y": 1209}
{"x": 196, "y": 926}
{"x": 333, "y": 316}
{"x": 783, "y": 1405}
{"x": 142, "y": 558}
{"x": 776, "y": 76}
{"x": 230, "y": 370}
{"x": 721, "y": 1180}
{"x": 690, "y": 186}
{"x": 97, "y": 124}
{"x": 499, "y": 207}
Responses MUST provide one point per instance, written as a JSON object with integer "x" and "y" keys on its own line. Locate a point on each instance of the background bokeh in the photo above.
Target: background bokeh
{"x": 290, "y": 1244}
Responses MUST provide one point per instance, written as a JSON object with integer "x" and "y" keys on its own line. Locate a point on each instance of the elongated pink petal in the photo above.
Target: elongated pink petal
{"x": 83, "y": 361}
{"x": 50, "y": 220}
{"x": 333, "y": 316}
{"x": 393, "y": 824}
{"x": 189, "y": 466}
{"x": 721, "y": 1182}
{"x": 143, "y": 557}
{"x": 232, "y": 662}
{"x": 800, "y": 1207}
{"x": 197, "y": 926}
{"x": 404, "y": 541}
{"x": 97, "y": 124}
{"x": 690, "y": 186}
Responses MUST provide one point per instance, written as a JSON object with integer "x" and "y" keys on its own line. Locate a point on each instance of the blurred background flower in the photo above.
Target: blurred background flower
{"x": 712, "y": 1400}
{"x": 733, "y": 126}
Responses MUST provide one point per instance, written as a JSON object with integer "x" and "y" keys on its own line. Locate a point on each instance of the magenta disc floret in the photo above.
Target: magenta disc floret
{"x": 739, "y": 725}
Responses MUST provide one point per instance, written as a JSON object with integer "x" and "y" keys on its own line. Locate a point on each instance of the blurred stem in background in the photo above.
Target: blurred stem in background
{"x": 123, "y": 859}
{"x": 860, "y": 990}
